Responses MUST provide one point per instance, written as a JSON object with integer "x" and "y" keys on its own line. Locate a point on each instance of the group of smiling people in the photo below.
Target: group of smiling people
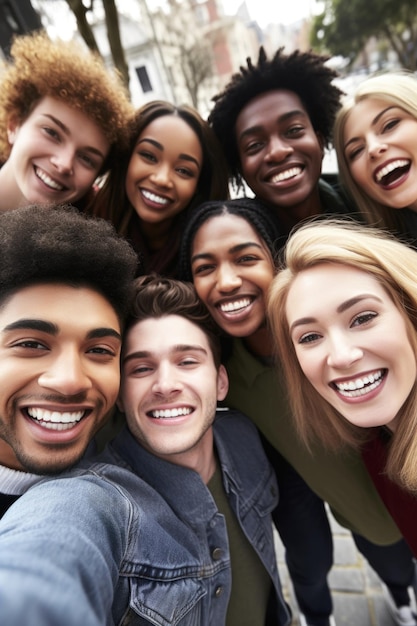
{"x": 313, "y": 286}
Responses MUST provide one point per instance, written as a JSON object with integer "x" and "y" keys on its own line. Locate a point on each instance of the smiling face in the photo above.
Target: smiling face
{"x": 232, "y": 269}
{"x": 59, "y": 374}
{"x": 352, "y": 343}
{"x": 56, "y": 155}
{"x": 164, "y": 169}
{"x": 280, "y": 153}
{"x": 170, "y": 387}
{"x": 380, "y": 142}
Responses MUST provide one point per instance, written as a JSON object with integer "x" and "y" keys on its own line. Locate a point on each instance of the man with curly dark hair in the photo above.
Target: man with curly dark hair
{"x": 274, "y": 119}
{"x": 63, "y": 118}
{"x": 65, "y": 288}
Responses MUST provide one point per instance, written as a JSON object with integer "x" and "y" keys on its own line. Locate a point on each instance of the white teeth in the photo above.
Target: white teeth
{"x": 167, "y": 413}
{"x": 390, "y": 168}
{"x": 360, "y": 386}
{"x": 54, "y": 420}
{"x": 153, "y": 197}
{"x": 47, "y": 180}
{"x": 229, "y": 307}
{"x": 293, "y": 171}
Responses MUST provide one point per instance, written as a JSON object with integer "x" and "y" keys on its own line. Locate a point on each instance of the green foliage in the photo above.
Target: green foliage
{"x": 345, "y": 26}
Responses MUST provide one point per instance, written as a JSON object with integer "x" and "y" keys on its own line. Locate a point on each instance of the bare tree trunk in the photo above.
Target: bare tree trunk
{"x": 84, "y": 28}
{"x": 113, "y": 35}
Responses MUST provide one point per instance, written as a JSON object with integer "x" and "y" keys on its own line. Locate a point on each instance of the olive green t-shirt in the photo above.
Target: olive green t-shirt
{"x": 251, "y": 584}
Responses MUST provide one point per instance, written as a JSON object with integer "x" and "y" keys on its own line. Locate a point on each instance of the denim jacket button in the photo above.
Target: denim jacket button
{"x": 218, "y": 592}
{"x": 217, "y": 554}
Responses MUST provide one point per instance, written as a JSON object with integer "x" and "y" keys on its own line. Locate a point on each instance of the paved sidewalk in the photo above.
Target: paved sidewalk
{"x": 356, "y": 590}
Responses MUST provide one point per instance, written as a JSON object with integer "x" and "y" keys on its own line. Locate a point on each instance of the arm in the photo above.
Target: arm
{"x": 61, "y": 545}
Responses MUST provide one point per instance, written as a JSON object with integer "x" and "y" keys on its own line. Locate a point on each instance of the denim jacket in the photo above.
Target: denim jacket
{"x": 133, "y": 539}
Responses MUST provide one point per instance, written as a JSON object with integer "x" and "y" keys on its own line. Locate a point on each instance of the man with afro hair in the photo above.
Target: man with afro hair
{"x": 274, "y": 119}
{"x": 63, "y": 122}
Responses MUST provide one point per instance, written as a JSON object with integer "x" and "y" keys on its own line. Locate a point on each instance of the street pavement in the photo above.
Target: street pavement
{"x": 356, "y": 590}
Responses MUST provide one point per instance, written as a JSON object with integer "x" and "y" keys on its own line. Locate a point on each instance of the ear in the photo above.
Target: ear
{"x": 12, "y": 130}
{"x": 222, "y": 383}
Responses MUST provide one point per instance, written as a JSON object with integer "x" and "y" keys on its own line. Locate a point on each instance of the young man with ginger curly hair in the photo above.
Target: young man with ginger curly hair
{"x": 273, "y": 120}
{"x": 63, "y": 118}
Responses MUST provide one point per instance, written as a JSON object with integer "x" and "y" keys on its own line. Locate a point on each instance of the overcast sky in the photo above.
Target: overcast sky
{"x": 275, "y": 11}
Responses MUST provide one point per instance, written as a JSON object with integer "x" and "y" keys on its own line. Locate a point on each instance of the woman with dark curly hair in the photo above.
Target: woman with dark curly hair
{"x": 172, "y": 164}
{"x": 63, "y": 119}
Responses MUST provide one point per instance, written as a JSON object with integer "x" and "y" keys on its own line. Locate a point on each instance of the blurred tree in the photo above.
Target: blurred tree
{"x": 190, "y": 46}
{"x": 80, "y": 9}
{"x": 343, "y": 28}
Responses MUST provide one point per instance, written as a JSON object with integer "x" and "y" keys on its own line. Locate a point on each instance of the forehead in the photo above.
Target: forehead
{"x": 80, "y": 307}
{"x": 335, "y": 282}
{"x": 169, "y": 128}
{"x": 161, "y": 335}
{"x": 364, "y": 113}
{"x": 267, "y": 106}
{"x": 218, "y": 232}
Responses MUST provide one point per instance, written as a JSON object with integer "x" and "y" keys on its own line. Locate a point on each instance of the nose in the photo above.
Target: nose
{"x": 343, "y": 353}
{"x": 278, "y": 149}
{"x": 227, "y": 278}
{"x": 161, "y": 176}
{"x": 376, "y": 147}
{"x": 66, "y": 374}
{"x": 166, "y": 381}
{"x": 63, "y": 160}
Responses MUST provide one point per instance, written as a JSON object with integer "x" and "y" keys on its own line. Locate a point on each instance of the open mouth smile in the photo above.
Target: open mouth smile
{"x": 360, "y": 386}
{"x": 153, "y": 197}
{"x": 170, "y": 413}
{"x": 47, "y": 180}
{"x": 292, "y": 172}
{"x": 236, "y": 306}
{"x": 392, "y": 172}
{"x": 55, "y": 420}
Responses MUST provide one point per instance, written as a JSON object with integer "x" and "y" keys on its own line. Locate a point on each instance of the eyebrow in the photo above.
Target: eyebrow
{"x": 146, "y": 354}
{"x": 52, "y": 329}
{"x": 344, "y": 306}
{"x": 282, "y": 118}
{"x": 159, "y": 146}
{"x": 66, "y": 130}
{"x": 238, "y": 248}
{"x": 373, "y": 123}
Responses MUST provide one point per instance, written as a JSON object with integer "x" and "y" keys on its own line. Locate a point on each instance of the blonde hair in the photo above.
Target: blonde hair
{"x": 394, "y": 266}
{"x": 397, "y": 88}
{"x": 40, "y": 67}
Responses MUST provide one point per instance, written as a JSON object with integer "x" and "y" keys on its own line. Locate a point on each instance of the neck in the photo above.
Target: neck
{"x": 11, "y": 196}
{"x": 156, "y": 235}
{"x": 290, "y": 216}
{"x": 260, "y": 343}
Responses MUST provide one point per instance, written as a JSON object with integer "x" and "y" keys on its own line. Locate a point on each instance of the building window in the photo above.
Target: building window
{"x": 144, "y": 79}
